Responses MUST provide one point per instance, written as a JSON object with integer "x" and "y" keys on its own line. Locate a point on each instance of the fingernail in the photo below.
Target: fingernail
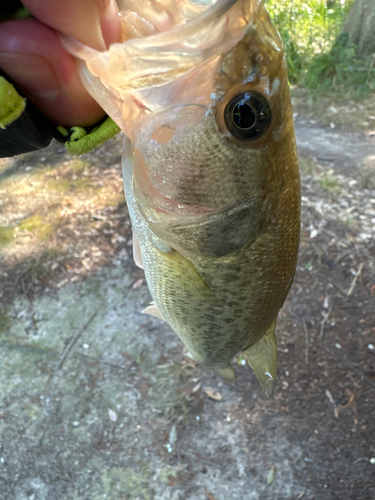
{"x": 32, "y": 73}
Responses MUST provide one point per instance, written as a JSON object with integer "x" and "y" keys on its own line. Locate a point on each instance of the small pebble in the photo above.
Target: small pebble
{"x": 112, "y": 415}
{"x": 137, "y": 284}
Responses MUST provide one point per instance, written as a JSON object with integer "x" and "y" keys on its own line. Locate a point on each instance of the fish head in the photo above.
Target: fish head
{"x": 202, "y": 93}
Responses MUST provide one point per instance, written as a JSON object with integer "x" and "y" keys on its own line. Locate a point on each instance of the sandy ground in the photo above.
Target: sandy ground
{"x": 98, "y": 401}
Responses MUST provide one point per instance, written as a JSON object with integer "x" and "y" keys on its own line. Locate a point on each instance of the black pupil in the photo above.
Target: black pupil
{"x": 248, "y": 116}
{"x": 244, "y": 116}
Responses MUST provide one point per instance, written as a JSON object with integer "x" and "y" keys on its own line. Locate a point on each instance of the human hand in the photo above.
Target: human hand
{"x": 32, "y": 55}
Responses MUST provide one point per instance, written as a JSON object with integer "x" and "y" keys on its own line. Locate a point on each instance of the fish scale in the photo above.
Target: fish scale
{"x": 222, "y": 187}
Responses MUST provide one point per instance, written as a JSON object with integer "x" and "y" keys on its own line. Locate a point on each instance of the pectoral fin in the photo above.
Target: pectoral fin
{"x": 262, "y": 358}
{"x": 153, "y": 310}
{"x": 137, "y": 254}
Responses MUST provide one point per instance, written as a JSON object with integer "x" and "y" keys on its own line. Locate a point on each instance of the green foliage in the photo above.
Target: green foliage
{"x": 170, "y": 399}
{"x": 4, "y": 320}
{"x": 318, "y": 56}
{"x": 328, "y": 183}
{"x": 38, "y": 226}
{"x": 6, "y": 235}
{"x": 340, "y": 68}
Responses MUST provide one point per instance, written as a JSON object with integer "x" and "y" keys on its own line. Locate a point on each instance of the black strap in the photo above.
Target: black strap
{"x": 29, "y": 132}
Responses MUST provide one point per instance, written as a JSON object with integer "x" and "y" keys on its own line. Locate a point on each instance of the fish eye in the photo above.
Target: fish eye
{"x": 248, "y": 116}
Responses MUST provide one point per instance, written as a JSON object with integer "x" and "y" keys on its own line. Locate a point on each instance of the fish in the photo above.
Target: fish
{"x": 200, "y": 90}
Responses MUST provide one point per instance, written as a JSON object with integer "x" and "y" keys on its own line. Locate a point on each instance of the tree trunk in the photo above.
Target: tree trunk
{"x": 360, "y": 26}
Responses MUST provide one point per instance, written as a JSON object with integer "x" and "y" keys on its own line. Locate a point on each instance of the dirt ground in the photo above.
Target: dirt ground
{"x": 98, "y": 401}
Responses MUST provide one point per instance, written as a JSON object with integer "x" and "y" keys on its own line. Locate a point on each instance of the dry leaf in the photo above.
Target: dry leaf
{"x": 213, "y": 394}
{"x": 271, "y": 474}
{"x": 137, "y": 284}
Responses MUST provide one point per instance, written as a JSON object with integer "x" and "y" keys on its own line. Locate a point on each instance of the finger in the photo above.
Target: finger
{"x": 95, "y": 23}
{"x": 34, "y": 58}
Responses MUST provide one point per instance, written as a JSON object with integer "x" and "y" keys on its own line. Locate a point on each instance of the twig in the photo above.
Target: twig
{"x": 364, "y": 250}
{"x": 333, "y": 402}
{"x": 209, "y": 495}
{"x": 355, "y": 279}
{"x": 338, "y": 409}
{"x": 369, "y": 265}
{"x": 325, "y": 317}
{"x": 343, "y": 254}
{"x": 336, "y": 237}
{"x": 306, "y": 341}
{"x": 31, "y": 305}
{"x": 74, "y": 340}
{"x": 350, "y": 365}
{"x": 341, "y": 290}
{"x": 64, "y": 272}
{"x": 349, "y": 403}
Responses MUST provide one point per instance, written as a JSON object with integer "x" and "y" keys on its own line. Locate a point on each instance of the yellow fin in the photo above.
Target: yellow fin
{"x": 262, "y": 358}
{"x": 137, "y": 254}
{"x": 226, "y": 373}
{"x": 153, "y": 310}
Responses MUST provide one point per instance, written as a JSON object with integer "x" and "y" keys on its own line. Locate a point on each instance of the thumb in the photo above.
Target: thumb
{"x": 95, "y": 23}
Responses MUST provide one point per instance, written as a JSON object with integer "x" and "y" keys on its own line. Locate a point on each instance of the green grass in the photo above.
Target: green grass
{"x": 171, "y": 380}
{"x": 6, "y": 235}
{"x": 318, "y": 56}
{"x": 4, "y": 320}
{"x": 328, "y": 183}
{"x": 77, "y": 165}
{"x": 367, "y": 177}
{"x": 307, "y": 166}
{"x": 37, "y": 225}
{"x": 340, "y": 68}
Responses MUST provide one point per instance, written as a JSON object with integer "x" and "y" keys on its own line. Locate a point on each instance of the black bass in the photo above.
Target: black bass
{"x": 210, "y": 169}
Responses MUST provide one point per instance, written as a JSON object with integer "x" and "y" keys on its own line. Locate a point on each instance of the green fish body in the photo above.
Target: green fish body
{"x": 210, "y": 171}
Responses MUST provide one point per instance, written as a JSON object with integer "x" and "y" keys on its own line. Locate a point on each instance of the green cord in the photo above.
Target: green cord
{"x": 81, "y": 142}
{"x": 22, "y": 13}
{"x": 12, "y": 105}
